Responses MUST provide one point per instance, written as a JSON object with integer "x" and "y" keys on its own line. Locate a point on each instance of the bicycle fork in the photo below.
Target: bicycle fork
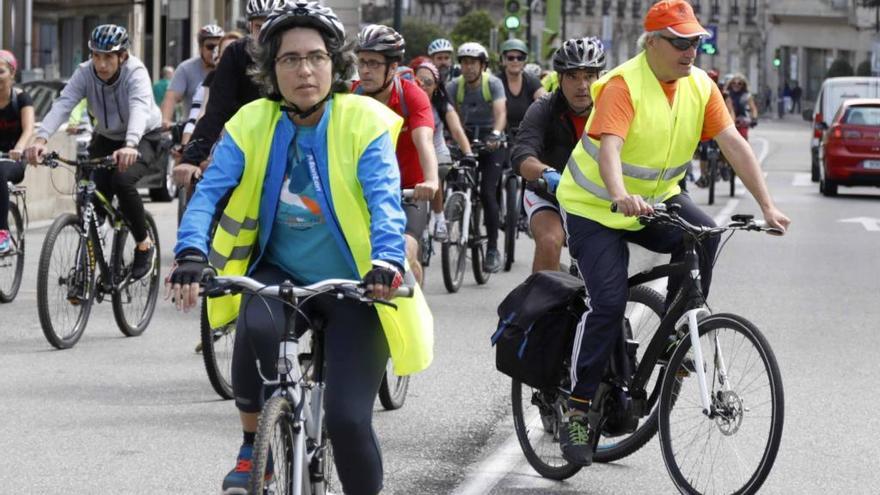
{"x": 691, "y": 317}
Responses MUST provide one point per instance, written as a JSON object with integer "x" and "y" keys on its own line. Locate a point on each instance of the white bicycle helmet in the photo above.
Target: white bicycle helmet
{"x": 474, "y": 50}
{"x": 440, "y": 45}
{"x": 262, "y": 8}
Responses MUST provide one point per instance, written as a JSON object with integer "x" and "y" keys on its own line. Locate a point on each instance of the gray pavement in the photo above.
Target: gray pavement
{"x": 137, "y": 415}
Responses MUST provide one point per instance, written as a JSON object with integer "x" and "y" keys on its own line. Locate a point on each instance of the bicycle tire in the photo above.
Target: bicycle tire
{"x": 538, "y": 437}
{"x": 478, "y": 245}
{"x": 453, "y": 251}
{"x": 218, "y": 365}
{"x": 134, "y": 302}
{"x": 278, "y": 458}
{"x": 728, "y": 404}
{"x": 182, "y": 202}
{"x": 511, "y": 219}
{"x": 392, "y": 390}
{"x": 712, "y": 169}
{"x": 732, "y": 181}
{"x": 16, "y": 238}
{"x": 643, "y": 328}
{"x": 62, "y": 275}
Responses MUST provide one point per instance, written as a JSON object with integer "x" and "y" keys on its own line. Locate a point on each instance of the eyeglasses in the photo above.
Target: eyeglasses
{"x": 292, "y": 61}
{"x": 426, "y": 82}
{"x": 210, "y": 46}
{"x": 370, "y": 64}
{"x": 516, "y": 58}
{"x": 683, "y": 44}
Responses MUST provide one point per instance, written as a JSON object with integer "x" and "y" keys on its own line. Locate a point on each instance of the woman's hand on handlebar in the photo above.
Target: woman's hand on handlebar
{"x": 425, "y": 191}
{"x": 183, "y": 283}
{"x": 631, "y": 205}
{"x": 383, "y": 280}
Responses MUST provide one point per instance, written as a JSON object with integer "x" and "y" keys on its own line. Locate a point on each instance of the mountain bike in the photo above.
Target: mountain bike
{"x": 12, "y": 262}
{"x": 466, "y": 232}
{"x": 73, "y": 271}
{"x": 708, "y": 382}
{"x": 292, "y": 453}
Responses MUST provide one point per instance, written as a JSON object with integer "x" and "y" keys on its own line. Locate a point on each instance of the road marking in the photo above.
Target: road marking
{"x": 870, "y": 224}
{"x": 765, "y": 148}
{"x": 802, "y": 179}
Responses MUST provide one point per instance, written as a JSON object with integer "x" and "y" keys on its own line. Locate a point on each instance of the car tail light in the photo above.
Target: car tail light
{"x": 836, "y": 132}
{"x": 817, "y": 133}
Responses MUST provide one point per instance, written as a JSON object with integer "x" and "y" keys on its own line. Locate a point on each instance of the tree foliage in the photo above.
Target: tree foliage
{"x": 864, "y": 68}
{"x": 418, "y": 34}
{"x": 840, "y": 68}
{"x": 475, "y": 26}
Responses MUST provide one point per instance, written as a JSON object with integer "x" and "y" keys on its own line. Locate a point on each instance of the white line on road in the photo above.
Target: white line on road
{"x": 802, "y": 179}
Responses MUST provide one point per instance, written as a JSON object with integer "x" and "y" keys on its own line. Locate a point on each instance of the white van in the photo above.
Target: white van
{"x": 833, "y": 92}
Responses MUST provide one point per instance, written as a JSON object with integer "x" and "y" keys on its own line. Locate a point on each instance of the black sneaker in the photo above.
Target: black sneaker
{"x": 142, "y": 263}
{"x": 492, "y": 263}
{"x": 576, "y": 438}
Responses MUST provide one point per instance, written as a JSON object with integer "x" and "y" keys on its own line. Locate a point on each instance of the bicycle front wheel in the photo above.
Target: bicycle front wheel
{"x": 12, "y": 263}
{"x": 276, "y": 446}
{"x": 65, "y": 282}
{"x": 742, "y": 432}
{"x": 712, "y": 169}
{"x": 134, "y": 300}
{"x": 537, "y": 416}
{"x": 478, "y": 241}
{"x": 217, "y": 345}
{"x": 511, "y": 219}
{"x": 392, "y": 391}
{"x": 452, "y": 251}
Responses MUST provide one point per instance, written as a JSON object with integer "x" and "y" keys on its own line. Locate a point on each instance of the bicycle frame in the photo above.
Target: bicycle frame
{"x": 465, "y": 185}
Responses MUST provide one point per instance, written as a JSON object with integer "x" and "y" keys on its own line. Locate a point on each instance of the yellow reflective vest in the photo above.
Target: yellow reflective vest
{"x": 355, "y": 122}
{"x": 657, "y": 150}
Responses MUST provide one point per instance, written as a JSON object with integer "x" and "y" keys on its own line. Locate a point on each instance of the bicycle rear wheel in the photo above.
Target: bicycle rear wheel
{"x": 644, "y": 310}
{"x": 392, "y": 390}
{"x": 732, "y": 180}
{"x": 452, "y": 251}
{"x": 276, "y": 446}
{"x": 134, "y": 300}
{"x": 217, "y": 345}
{"x": 743, "y": 432}
{"x": 65, "y": 282}
{"x": 511, "y": 219}
{"x": 537, "y": 416}
{"x": 12, "y": 263}
{"x": 478, "y": 240}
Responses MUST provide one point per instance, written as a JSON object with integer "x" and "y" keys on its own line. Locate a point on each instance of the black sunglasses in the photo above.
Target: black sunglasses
{"x": 516, "y": 58}
{"x": 210, "y": 46}
{"x": 683, "y": 44}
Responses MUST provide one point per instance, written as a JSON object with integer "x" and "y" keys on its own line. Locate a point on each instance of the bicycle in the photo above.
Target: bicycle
{"x": 463, "y": 211}
{"x": 291, "y": 449}
{"x": 73, "y": 271}
{"x": 12, "y": 262}
{"x": 688, "y": 368}
{"x": 717, "y": 167}
{"x": 510, "y": 196}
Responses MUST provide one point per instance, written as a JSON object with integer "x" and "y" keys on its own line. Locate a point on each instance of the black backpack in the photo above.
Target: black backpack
{"x": 536, "y": 328}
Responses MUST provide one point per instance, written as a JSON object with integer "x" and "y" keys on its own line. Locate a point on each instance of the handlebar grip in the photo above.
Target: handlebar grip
{"x": 405, "y": 291}
{"x": 613, "y": 207}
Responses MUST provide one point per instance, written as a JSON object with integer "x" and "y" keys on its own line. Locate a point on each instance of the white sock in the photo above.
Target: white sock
{"x": 438, "y": 216}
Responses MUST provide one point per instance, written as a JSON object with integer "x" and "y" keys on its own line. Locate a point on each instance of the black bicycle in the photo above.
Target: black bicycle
{"x": 12, "y": 261}
{"x": 717, "y": 168}
{"x": 510, "y": 194}
{"x": 466, "y": 232}
{"x": 73, "y": 271}
{"x": 292, "y": 453}
{"x": 708, "y": 382}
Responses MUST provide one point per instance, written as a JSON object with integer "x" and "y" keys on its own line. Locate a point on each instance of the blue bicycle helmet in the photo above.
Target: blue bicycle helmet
{"x": 109, "y": 38}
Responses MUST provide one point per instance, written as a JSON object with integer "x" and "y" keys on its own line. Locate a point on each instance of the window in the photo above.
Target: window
{"x": 751, "y": 11}
{"x": 734, "y": 11}
{"x": 862, "y": 115}
{"x": 637, "y": 9}
{"x": 621, "y": 8}
{"x": 606, "y": 7}
{"x": 697, "y": 6}
{"x": 714, "y": 11}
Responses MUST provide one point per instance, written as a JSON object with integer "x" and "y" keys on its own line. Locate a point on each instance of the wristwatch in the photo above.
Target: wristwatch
{"x": 130, "y": 144}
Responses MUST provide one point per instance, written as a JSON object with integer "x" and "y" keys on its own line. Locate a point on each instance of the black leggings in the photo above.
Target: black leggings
{"x": 12, "y": 172}
{"x": 111, "y": 182}
{"x": 491, "y": 165}
{"x": 355, "y": 353}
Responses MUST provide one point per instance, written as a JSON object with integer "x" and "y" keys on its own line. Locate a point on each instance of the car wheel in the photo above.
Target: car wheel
{"x": 828, "y": 187}
{"x": 169, "y": 191}
{"x": 814, "y": 170}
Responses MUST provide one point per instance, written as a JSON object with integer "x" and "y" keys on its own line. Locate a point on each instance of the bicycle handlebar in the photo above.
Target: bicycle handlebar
{"x": 53, "y": 159}
{"x": 668, "y": 215}
{"x": 216, "y": 286}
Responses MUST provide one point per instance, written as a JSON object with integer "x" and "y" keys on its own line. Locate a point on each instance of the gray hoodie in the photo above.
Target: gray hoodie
{"x": 125, "y": 110}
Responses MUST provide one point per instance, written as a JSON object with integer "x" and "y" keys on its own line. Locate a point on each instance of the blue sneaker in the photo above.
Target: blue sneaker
{"x": 236, "y": 482}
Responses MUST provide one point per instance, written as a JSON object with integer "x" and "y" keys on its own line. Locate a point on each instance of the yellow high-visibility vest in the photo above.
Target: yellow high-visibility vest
{"x": 657, "y": 150}
{"x": 355, "y": 122}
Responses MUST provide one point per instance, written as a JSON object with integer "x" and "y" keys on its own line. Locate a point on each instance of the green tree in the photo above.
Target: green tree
{"x": 864, "y": 68}
{"x": 418, "y": 34}
{"x": 840, "y": 68}
{"x": 475, "y": 26}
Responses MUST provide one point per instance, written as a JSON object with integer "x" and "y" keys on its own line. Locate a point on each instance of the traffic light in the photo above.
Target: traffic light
{"x": 777, "y": 58}
{"x": 512, "y": 11}
{"x": 709, "y": 44}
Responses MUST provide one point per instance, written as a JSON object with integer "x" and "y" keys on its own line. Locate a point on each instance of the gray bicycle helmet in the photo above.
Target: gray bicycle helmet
{"x": 381, "y": 39}
{"x": 209, "y": 31}
{"x": 440, "y": 45}
{"x": 109, "y": 38}
{"x": 305, "y": 14}
{"x": 261, "y": 8}
{"x": 580, "y": 53}
{"x": 514, "y": 45}
{"x": 473, "y": 49}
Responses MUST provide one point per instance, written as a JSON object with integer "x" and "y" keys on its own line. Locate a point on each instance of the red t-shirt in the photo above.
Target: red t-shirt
{"x": 419, "y": 114}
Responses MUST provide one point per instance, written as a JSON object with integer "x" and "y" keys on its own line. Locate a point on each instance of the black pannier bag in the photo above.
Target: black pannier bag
{"x": 536, "y": 326}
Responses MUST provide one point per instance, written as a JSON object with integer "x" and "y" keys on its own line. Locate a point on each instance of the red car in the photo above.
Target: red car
{"x": 849, "y": 153}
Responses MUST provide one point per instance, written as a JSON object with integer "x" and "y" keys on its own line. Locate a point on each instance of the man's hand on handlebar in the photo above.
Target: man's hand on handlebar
{"x": 183, "y": 283}
{"x": 34, "y": 153}
{"x": 776, "y": 219}
{"x": 494, "y": 140}
{"x": 125, "y": 157}
{"x": 631, "y": 206}
{"x": 425, "y": 191}
{"x": 184, "y": 174}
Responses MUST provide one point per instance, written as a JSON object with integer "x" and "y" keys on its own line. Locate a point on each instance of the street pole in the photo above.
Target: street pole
{"x": 528, "y": 28}
{"x": 398, "y": 14}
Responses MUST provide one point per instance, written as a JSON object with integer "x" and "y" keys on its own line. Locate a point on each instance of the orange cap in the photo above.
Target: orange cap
{"x": 675, "y": 15}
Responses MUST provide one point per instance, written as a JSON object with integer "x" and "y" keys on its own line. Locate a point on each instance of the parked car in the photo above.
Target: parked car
{"x": 849, "y": 153}
{"x": 833, "y": 92}
{"x": 159, "y": 181}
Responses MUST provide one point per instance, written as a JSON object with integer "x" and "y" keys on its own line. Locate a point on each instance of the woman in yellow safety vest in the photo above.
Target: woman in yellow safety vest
{"x": 315, "y": 194}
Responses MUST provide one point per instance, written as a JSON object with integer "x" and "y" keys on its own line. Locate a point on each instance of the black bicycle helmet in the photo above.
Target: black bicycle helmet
{"x": 580, "y": 53}
{"x": 209, "y": 31}
{"x": 109, "y": 38}
{"x": 262, "y": 8}
{"x": 381, "y": 39}
{"x": 305, "y": 14}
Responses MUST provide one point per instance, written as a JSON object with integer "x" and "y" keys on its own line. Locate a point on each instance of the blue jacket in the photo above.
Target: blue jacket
{"x": 378, "y": 174}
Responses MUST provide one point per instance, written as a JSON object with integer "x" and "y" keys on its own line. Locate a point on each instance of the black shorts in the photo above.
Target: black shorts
{"x": 416, "y": 217}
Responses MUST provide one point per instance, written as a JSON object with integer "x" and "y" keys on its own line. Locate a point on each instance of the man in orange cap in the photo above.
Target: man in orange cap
{"x": 649, "y": 114}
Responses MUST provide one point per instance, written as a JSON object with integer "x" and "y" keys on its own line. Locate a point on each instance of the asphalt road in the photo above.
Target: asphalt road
{"x": 137, "y": 415}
